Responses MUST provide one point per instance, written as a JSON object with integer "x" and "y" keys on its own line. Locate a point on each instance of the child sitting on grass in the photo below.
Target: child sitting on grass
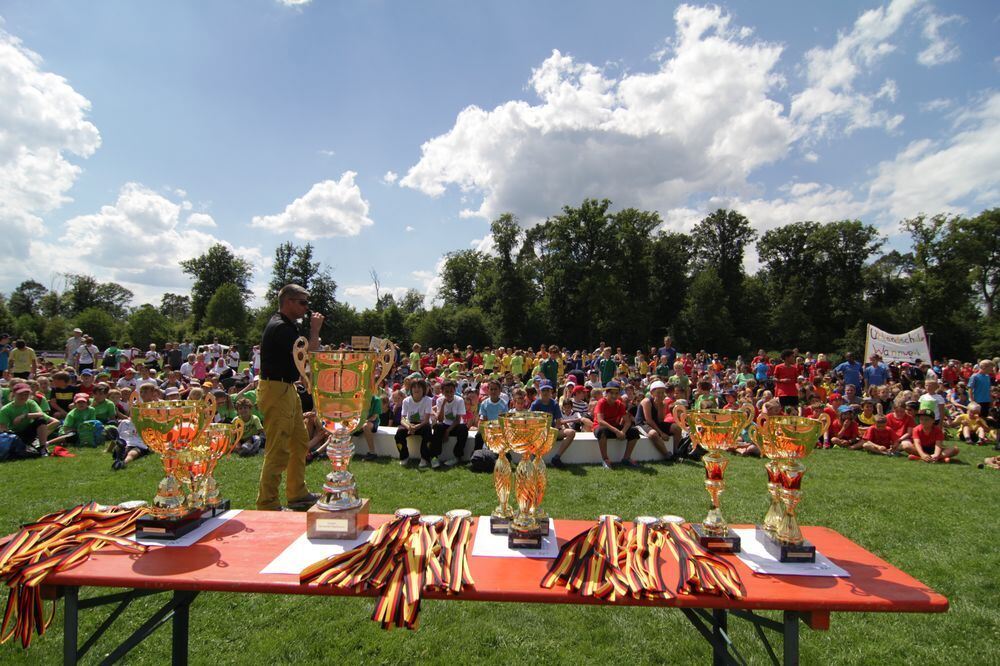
{"x": 928, "y": 441}
{"x": 252, "y": 440}
{"x": 848, "y": 435}
{"x": 971, "y": 426}
{"x": 879, "y": 438}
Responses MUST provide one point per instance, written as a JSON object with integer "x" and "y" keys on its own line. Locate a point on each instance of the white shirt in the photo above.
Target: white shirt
{"x": 233, "y": 358}
{"x": 454, "y": 410}
{"x": 214, "y": 351}
{"x": 256, "y": 358}
{"x": 414, "y": 412}
{"x": 152, "y": 356}
{"x": 186, "y": 369}
{"x": 125, "y": 382}
{"x": 87, "y": 353}
{"x": 72, "y": 344}
{"x": 128, "y": 432}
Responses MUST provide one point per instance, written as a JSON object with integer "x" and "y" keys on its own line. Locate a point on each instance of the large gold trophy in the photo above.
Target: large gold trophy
{"x": 342, "y": 382}
{"x": 172, "y": 428}
{"x": 785, "y": 440}
{"x": 526, "y": 433}
{"x": 716, "y": 431}
{"x": 493, "y": 436}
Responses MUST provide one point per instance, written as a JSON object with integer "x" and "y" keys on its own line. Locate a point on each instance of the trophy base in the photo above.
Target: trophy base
{"x": 343, "y": 524}
{"x": 218, "y": 509}
{"x": 724, "y": 543}
{"x": 499, "y": 525}
{"x": 543, "y": 526}
{"x": 787, "y": 552}
{"x": 167, "y": 529}
{"x": 524, "y": 540}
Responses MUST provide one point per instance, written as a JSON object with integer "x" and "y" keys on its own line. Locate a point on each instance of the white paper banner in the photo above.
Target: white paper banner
{"x": 897, "y": 347}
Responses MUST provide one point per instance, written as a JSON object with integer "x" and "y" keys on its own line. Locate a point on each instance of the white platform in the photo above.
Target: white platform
{"x": 583, "y": 451}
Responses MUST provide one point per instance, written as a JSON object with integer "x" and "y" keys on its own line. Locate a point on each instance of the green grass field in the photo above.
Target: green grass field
{"x": 935, "y": 522}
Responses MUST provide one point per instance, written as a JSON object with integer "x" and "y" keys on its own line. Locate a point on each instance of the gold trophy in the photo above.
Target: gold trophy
{"x": 525, "y": 434}
{"x": 220, "y": 439}
{"x": 542, "y": 480}
{"x": 493, "y": 436}
{"x": 342, "y": 382}
{"x": 785, "y": 440}
{"x": 715, "y": 430}
{"x": 171, "y": 428}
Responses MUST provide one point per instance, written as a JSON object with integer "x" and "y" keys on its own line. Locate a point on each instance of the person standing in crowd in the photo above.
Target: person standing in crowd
{"x": 5, "y": 348}
{"x": 72, "y": 343}
{"x": 670, "y": 352}
{"x": 175, "y": 359}
{"x": 979, "y": 385}
{"x": 876, "y": 373}
{"x": 284, "y": 428}
{"x": 850, "y": 371}
{"x": 86, "y": 355}
{"x": 23, "y": 362}
{"x": 786, "y": 375}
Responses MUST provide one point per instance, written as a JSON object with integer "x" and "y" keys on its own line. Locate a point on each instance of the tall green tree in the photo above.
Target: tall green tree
{"x": 226, "y": 311}
{"x": 979, "y": 244}
{"x": 147, "y": 325}
{"x": 25, "y": 298}
{"x": 296, "y": 265}
{"x": 100, "y": 325}
{"x": 217, "y": 267}
{"x": 85, "y": 291}
{"x": 175, "y": 306}
{"x": 460, "y": 277}
{"x": 720, "y": 242}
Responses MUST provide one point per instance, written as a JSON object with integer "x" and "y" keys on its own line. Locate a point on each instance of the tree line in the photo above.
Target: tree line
{"x": 589, "y": 274}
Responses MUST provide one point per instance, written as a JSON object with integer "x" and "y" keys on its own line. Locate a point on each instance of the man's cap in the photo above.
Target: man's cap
{"x": 173, "y": 390}
{"x": 657, "y": 385}
{"x": 81, "y": 396}
{"x": 845, "y": 409}
{"x": 87, "y": 373}
{"x": 21, "y": 388}
{"x": 613, "y": 385}
{"x": 77, "y": 330}
{"x": 545, "y": 385}
{"x": 927, "y": 412}
{"x": 580, "y": 389}
{"x": 130, "y": 369}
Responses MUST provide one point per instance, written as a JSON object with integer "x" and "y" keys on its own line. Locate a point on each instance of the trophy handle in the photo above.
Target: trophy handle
{"x": 761, "y": 418}
{"x": 385, "y": 357}
{"x": 824, "y": 419}
{"x": 237, "y": 433}
{"x": 755, "y": 436}
{"x": 300, "y": 354}
{"x": 211, "y": 407}
{"x": 748, "y": 415}
{"x": 680, "y": 416}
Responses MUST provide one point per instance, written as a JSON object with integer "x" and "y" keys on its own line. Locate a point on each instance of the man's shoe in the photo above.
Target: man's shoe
{"x": 118, "y": 464}
{"x": 606, "y": 464}
{"x": 404, "y": 462}
{"x": 423, "y": 464}
{"x": 631, "y": 463}
{"x": 303, "y": 503}
{"x": 451, "y": 462}
{"x": 557, "y": 462}
{"x": 369, "y": 457}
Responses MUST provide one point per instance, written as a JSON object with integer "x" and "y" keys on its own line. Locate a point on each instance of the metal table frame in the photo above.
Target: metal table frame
{"x": 712, "y": 624}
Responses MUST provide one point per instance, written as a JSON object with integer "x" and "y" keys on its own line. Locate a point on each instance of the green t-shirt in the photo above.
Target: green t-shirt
{"x": 706, "y": 401}
{"x": 226, "y": 413}
{"x": 375, "y": 409}
{"x": 415, "y": 362}
{"x": 114, "y": 353}
{"x": 743, "y": 378}
{"x": 517, "y": 365}
{"x": 77, "y": 416}
{"x": 550, "y": 368}
{"x": 251, "y": 427}
{"x": 12, "y": 410}
{"x": 663, "y": 371}
{"x": 607, "y": 367}
{"x": 489, "y": 360}
{"x": 105, "y": 412}
{"x": 683, "y": 382}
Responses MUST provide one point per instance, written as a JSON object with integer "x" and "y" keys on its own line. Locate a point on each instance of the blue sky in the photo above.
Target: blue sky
{"x": 389, "y": 133}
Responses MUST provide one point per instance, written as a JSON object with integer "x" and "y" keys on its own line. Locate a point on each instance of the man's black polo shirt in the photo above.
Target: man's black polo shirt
{"x": 276, "y": 361}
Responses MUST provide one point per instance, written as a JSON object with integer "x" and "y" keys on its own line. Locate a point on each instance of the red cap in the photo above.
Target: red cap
{"x": 21, "y": 387}
{"x": 396, "y": 386}
{"x": 580, "y": 389}
{"x": 81, "y": 396}
{"x": 835, "y": 396}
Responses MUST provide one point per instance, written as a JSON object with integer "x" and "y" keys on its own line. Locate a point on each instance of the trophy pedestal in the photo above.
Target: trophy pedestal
{"x": 543, "y": 526}
{"x": 499, "y": 525}
{"x": 167, "y": 529}
{"x": 343, "y": 524}
{"x": 725, "y": 543}
{"x": 218, "y": 509}
{"x": 786, "y": 552}
{"x": 524, "y": 540}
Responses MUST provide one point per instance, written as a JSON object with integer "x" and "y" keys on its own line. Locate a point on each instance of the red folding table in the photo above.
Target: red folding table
{"x": 230, "y": 559}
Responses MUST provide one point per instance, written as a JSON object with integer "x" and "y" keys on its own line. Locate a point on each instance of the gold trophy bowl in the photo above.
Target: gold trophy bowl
{"x": 170, "y": 428}
{"x": 493, "y": 437}
{"x": 785, "y": 440}
{"x": 525, "y": 434}
{"x": 220, "y": 440}
{"x": 342, "y": 382}
{"x": 716, "y": 431}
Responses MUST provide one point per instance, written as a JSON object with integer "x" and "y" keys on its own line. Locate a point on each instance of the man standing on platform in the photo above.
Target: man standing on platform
{"x": 285, "y": 432}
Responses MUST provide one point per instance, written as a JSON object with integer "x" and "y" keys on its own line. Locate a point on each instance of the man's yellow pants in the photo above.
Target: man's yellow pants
{"x": 286, "y": 446}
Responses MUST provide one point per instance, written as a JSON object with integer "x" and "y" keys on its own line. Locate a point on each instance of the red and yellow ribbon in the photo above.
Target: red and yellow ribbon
{"x": 597, "y": 563}
{"x": 701, "y": 572}
{"x": 55, "y": 542}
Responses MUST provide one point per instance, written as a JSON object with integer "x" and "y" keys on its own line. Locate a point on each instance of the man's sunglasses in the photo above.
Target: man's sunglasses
{"x": 302, "y": 301}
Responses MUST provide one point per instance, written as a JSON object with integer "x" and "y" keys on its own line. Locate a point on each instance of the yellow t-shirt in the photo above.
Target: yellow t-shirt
{"x": 21, "y": 359}
{"x": 963, "y": 420}
{"x": 505, "y": 363}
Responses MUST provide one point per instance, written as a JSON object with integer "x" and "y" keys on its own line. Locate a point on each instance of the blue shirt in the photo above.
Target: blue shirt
{"x": 491, "y": 411}
{"x": 851, "y": 372}
{"x": 760, "y": 370}
{"x": 4, "y": 357}
{"x": 551, "y": 408}
{"x": 670, "y": 353}
{"x": 979, "y": 386}
{"x": 876, "y": 375}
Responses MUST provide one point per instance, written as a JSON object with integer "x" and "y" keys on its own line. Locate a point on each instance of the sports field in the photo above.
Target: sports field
{"x": 937, "y": 523}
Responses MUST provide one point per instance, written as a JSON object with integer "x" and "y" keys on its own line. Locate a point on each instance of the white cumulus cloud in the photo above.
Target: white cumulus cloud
{"x": 702, "y": 121}
{"x": 200, "y": 220}
{"x": 390, "y": 177}
{"x": 329, "y": 208}
{"x": 42, "y": 122}
{"x": 940, "y": 49}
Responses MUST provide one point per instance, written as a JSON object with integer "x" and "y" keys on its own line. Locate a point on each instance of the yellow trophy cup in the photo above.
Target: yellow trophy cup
{"x": 342, "y": 382}
{"x": 526, "y": 433}
{"x": 785, "y": 440}
{"x": 171, "y": 429}
{"x": 542, "y": 480}
{"x": 493, "y": 436}
{"x": 220, "y": 439}
{"x": 715, "y": 430}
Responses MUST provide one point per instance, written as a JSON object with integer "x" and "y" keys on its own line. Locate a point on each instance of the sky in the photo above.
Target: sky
{"x": 136, "y": 135}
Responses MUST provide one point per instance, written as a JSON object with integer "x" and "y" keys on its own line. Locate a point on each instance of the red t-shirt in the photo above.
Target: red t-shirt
{"x": 949, "y": 374}
{"x": 928, "y": 438}
{"x": 898, "y": 425}
{"x": 612, "y": 412}
{"x": 848, "y": 430}
{"x": 786, "y": 380}
{"x": 883, "y": 437}
{"x": 819, "y": 368}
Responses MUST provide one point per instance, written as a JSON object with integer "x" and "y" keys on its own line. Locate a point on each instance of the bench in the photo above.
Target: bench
{"x": 583, "y": 451}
